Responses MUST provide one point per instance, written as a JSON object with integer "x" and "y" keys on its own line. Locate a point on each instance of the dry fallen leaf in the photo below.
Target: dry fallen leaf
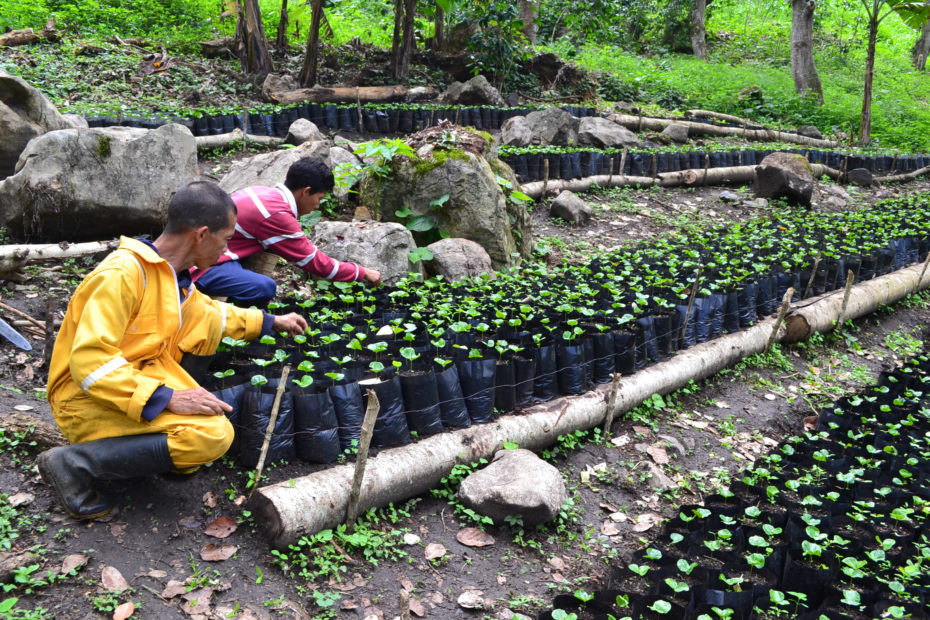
{"x": 20, "y": 499}
{"x": 73, "y": 562}
{"x": 646, "y": 522}
{"x": 113, "y": 580}
{"x": 173, "y": 589}
{"x": 416, "y": 608}
{"x": 557, "y": 563}
{"x": 23, "y": 407}
{"x": 221, "y": 527}
{"x": 434, "y": 551}
{"x": 407, "y": 585}
{"x": 810, "y": 423}
{"x": 617, "y": 517}
{"x": 643, "y": 430}
{"x": 124, "y": 611}
{"x": 411, "y": 539}
{"x": 608, "y": 528}
{"x": 658, "y": 454}
{"x": 620, "y": 440}
{"x": 501, "y": 580}
{"x": 471, "y": 599}
{"x": 473, "y": 537}
{"x": 211, "y": 552}
{"x": 209, "y": 499}
{"x": 156, "y": 574}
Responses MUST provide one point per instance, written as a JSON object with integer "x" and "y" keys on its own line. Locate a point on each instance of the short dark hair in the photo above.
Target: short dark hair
{"x": 309, "y": 172}
{"x": 197, "y": 204}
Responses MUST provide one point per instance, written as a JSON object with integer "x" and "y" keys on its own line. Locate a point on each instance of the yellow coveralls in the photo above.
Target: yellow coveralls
{"x": 123, "y": 335}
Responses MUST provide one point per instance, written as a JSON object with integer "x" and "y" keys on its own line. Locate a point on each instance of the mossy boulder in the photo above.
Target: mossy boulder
{"x": 478, "y": 206}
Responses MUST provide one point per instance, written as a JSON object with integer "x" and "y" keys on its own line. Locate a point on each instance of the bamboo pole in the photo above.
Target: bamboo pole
{"x": 364, "y": 443}
{"x": 269, "y": 430}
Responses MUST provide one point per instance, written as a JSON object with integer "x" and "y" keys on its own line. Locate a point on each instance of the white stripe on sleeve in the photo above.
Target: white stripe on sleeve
{"x": 332, "y": 274}
{"x": 306, "y": 260}
{"x": 102, "y": 372}
{"x": 258, "y": 203}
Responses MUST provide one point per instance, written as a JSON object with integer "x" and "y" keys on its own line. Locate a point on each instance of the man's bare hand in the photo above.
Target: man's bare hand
{"x": 197, "y": 401}
{"x": 292, "y": 323}
{"x": 372, "y": 277}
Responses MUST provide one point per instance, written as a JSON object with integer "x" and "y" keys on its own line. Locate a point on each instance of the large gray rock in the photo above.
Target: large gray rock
{"x": 600, "y": 132}
{"x": 860, "y": 176}
{"x": 454, "y": 259}
{"x": 77, "y": 121}
{"x": 516, "y": 482}
{"x": 570, "y": 208}
{"x": 785, "y": 175}
{"x": 302, "y": 131}
{"x": 271, "y": 168}
{"x": 810, "y": 131}
{"x": 275, "y": 83}
{"x": 476, "y": 207}
{"x": 79, "y": 184}
{"x": 515, "y": 132}
{"x": 676, "y": 132}
{"x": 552, "y": 126}
{"x": 476, "y": 91}
{"x": 24, "y": 114}
{"x": 380, "y": 245}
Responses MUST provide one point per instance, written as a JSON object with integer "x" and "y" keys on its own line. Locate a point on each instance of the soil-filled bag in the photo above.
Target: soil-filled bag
{"x": 477, "y": 379}
{"x": 625, "y": 352}
{"x": 505, "y": 380}
{"x": 524, "y": 372}
{"x": 452, "y": 409}
{"x": 232, "y": 396}
{"x": 587, "y": 351}
{"x": 647, "y": 346}
{"x": 731, "y": 312}
{"x": 746, "y": 297}
{"x": 316, "y": 430}
{"x": 254, "y": 417}
{"x": 391, "y": 424}
{"x": 570, "y": 362}
{"x": 545, "y": 386}
{"x": 603, "y": 362}
{"x": 350, "y": 412}
{"x": 664, "y": 328}
{"x": 687, "y": 336}
{"x": 421, "y": 403}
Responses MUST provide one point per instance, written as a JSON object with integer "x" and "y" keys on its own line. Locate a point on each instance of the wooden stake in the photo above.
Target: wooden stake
{"x": 403, "y": 603}
{"x": 706, "y": 166}
{"x": 694, "y": 290}
{"x": 612, "y": 403}
{"x": 810, "y": 281}
{"x": 785, "y": 304}
{"x": 545, "y": 175}
{"x": 850, "y": 279}
{"x": 610, "y": 175}
{"x": 623, "y": 157}
{"x": 368, "y": 427}
{"x": 49, "y": 330}
{"x": 269, "y": 431}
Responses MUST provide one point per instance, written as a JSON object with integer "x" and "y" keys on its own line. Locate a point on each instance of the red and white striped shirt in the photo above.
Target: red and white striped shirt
{"x": 267, "y": 221}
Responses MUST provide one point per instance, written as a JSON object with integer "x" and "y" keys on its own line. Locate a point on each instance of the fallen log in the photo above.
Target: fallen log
{"x": 236, "y": 135}
{"x": 720, "y": 116}
{"x": 688, "y": 178}
{"x": 639, "y": 123}
{"x": 353, "y": 94}
{"x": 899, "y": 178}
{"x": 13, "y": 258}
{"x": 305, "y": 505}
{"x": 45, "y": 434}
{"x": 19, "y": 37}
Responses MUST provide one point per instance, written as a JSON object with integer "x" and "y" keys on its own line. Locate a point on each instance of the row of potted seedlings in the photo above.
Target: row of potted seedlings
{"x": 369, "y": 118}
{"x": 529, "y": 163}
{"x": 446, "y": 355}
{"x": 831, "y": 525}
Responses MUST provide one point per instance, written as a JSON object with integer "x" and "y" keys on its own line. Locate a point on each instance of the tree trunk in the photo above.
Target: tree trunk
{"x": 806, "y": 80}
{"x": 410, "y": 9}
{"x": 280, "y": 42}
{"x": 397, "y": 38}
{"x": 439, "y": 27}
{"x": 698, "y": 31}
{"x": 921, "y": 48}
{"x": 307, "y": 77}
{"x": 643, "y": 123}
{"x": 528, "y": 10}
{"x": 253, "y": 45}
{"x": 865, "y": 125}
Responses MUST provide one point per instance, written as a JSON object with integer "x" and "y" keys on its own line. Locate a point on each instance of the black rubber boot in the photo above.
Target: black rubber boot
{"x": 197, "y": 366}
{"x": 72, "y": 470}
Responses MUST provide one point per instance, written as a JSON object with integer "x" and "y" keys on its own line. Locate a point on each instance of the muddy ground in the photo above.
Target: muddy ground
{"x": 654, "y": 459}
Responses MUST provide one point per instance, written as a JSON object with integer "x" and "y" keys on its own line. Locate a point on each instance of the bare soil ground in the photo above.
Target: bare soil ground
{"x": 655, "y": 458}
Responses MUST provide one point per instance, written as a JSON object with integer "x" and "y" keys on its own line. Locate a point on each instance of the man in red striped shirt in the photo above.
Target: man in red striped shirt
{"x": 267, "y": 221}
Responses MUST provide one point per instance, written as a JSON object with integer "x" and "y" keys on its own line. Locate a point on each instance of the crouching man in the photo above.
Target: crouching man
{"x": 135, "y": 340}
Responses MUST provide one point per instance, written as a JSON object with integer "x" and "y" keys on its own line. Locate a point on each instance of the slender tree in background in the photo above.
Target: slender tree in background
{"x": 921, "y": 48}
{"x": 251, "y": 40}
{"x": 915, "y": 15}
{"x": 403, "y": 41}
{"x": 280, "y": 42}
{"x": 528, "y": 10}
{"x": 698, "y": 30}
{"x": 803, "y": 69}
{"x": 307, "y": 77}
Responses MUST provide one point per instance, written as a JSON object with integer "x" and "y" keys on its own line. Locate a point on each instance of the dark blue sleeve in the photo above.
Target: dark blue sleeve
{"x": 267, "y": 324}
{"x": 158, "y": 401}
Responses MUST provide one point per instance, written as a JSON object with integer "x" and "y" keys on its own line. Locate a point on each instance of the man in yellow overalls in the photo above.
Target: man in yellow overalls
{"x": 120, "y": 379}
